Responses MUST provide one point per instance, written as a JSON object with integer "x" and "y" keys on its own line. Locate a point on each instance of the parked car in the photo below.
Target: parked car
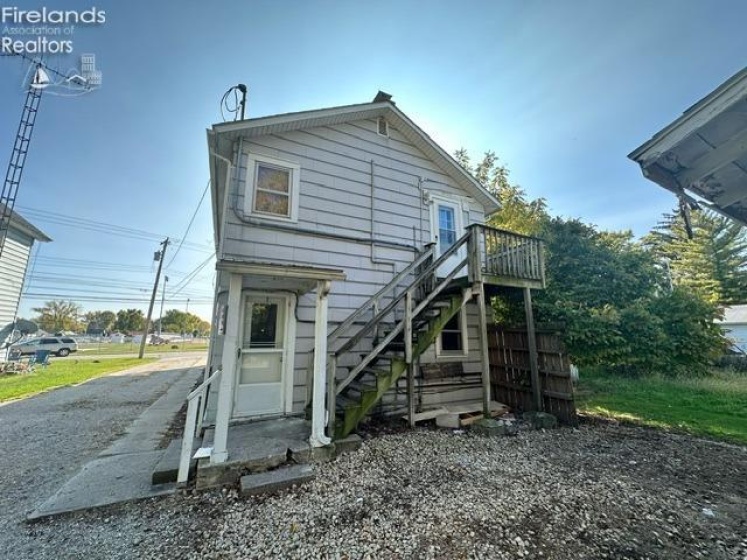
{"x": 57, "y": 345}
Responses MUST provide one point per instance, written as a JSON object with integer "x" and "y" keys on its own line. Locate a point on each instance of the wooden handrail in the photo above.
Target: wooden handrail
{"x": 368, "y": 327}
{"x": 399, "y": 327}
{"x": 342, "y": 327}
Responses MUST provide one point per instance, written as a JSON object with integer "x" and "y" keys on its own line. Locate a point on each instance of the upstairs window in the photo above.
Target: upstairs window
{"x": 272, "y": 188}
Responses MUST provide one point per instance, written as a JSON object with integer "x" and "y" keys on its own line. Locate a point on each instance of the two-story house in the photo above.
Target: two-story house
{"x": 352, "y": 263}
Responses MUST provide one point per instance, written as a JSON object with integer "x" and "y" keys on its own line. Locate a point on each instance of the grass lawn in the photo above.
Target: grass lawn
{"x": 61, "y": 372}
{"x": 714, "y": 406}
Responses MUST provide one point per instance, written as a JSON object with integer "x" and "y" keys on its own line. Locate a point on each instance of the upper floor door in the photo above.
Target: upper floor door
{"x": 446, "y": 228}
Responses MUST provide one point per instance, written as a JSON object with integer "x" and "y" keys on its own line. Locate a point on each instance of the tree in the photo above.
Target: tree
{"x": 606, "y": 289}
{"x": 176, "y": 321}
{"x": 129, "y": 320}
{"x": 517, "y": 213}
{"x": 57, "y": 315}
{"x": 103, "y": 320}
{"x": 713, "y": 263}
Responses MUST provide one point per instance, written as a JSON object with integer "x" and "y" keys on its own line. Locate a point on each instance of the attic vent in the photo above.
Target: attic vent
{"x": 382, "y": 127}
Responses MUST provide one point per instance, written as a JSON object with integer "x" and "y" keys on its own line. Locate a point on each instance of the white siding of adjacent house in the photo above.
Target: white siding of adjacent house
{"x": 335, "y": 199}
{"x": 13, "y": 263}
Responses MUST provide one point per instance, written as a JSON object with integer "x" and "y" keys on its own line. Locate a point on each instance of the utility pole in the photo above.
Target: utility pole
{"x": 187, "y": 309}
{"x": 159, "y": 256}
{"x": 163, "y": 296}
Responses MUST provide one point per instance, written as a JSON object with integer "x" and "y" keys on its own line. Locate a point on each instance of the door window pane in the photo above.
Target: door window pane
{"x": 261, "y": 368}
{"x": 262, "y": 326}
{"x": 447, "y": 234}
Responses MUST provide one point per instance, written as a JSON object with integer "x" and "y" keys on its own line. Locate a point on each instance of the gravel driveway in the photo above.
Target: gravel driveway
{"x": 47, "y": 438}
{"x": 596, "y": 492}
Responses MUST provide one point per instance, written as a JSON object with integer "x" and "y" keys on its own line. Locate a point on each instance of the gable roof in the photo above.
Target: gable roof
{"x": 287, "y": 122}
{"x": 20, "y": 223}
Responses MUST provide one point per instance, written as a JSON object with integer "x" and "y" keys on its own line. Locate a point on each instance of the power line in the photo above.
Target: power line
{"x": 185, "y": 282}
{"x": 101, "y": 227}
{"x": 204, "y": 192}
{"x": 36, "y": 296}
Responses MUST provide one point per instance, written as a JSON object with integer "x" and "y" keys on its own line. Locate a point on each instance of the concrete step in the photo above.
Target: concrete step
{"x": 167, "y": 468}
{"x": 274, "y": 481}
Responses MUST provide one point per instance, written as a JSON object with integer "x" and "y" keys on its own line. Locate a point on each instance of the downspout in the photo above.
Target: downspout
{"x": 229, "y": 169}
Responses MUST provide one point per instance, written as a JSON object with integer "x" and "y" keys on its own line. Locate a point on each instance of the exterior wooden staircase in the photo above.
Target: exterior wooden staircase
{"x": 367, "y": 358}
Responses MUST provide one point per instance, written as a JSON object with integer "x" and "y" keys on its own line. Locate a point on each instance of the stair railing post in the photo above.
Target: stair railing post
{"x": 409, "y": 360}
{"x": 331, "y": 394}
{"x": 474, "y": 268}
{"x": 408, "y": 327}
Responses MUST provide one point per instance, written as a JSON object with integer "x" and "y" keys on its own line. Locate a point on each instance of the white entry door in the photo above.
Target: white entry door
{"x": 447, "y": 228}
{"x": 262, "y": 364}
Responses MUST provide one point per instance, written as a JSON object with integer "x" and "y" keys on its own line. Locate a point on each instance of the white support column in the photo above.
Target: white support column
{"x": 318, "y": 408}
{"x": 228, "y": 376}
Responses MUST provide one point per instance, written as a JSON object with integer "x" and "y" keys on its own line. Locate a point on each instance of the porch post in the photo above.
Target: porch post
{"x": 318, "y": 408}
{"x": 228, "y": 374}
{"x": 533, "y": 359}
{"x": 484, "y": 357}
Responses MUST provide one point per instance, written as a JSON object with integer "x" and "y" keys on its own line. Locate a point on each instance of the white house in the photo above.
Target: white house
{"x": 352, "y": 270}
{"x": 734, "y": 325}
{"x": 14, "y": 260}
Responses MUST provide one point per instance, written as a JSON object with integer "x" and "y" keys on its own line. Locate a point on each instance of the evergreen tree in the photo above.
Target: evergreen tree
{"x": 713, "y": 264}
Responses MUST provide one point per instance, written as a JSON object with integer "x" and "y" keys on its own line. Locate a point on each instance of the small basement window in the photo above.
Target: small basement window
{"x": 382, "y": 127}
{"x": 452, "y": 342}
{"x": 272, "y": 188}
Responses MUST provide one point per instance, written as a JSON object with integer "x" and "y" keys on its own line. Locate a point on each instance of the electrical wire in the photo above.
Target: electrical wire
{"x": 185, "y": 282}
{"x": 238, "y": 106}
{"x": 191, "y": 221}
{"x": 101, "y": 227}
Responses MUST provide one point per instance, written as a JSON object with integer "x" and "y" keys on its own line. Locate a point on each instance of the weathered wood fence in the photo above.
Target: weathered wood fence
{"x": 510, "y": 372}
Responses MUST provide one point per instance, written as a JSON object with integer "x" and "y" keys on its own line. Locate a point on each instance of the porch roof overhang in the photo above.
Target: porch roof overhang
{"x": 703, "y": 154}
{"x": 300, "y": 279}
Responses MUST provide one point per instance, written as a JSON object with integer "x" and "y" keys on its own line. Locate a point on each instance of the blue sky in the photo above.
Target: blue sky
{"x": 562, "y": 91}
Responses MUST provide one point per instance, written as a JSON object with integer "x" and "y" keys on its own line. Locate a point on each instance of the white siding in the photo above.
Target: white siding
{"x": 12, "y": 271}
{"x": 335, "y": 203}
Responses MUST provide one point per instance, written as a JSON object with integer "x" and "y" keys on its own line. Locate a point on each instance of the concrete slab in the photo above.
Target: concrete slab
{"x": 255, "y": 447}
{"x": 123, "y": 471}
{"x": 274, "y": 481}
{"x": 348, "y": 444}
{"x": 105, "y": 481}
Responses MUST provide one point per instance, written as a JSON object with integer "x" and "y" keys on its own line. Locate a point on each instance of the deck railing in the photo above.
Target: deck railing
{"x": 511, "y": 255}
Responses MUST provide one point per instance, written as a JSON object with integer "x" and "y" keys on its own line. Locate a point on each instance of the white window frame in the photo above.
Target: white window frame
{"x": 386, "y": 127}
{"x": 252, "y": 162}
{"x": 451, "y": 355}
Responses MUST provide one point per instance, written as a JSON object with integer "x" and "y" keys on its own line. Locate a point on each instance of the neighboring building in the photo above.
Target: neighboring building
{"x": 14, "y": 264}
{"x": 734, "y": 324}
{"x": 324, "y": 222}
